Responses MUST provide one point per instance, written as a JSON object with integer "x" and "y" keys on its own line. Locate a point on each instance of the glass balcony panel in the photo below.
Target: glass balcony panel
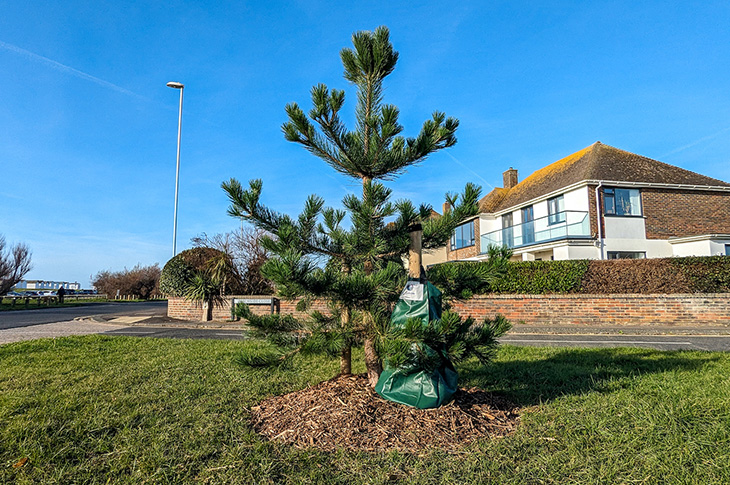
{"x": 573, "y": 224}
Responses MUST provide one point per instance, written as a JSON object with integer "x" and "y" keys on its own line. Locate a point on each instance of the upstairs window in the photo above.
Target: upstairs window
{"x": 556, "y": 210}
{"x": 463, "y": 236}
{"x": 621, "y": 202}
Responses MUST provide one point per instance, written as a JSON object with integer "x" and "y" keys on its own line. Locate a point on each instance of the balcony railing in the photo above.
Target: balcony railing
{"x": 561, "y": 225}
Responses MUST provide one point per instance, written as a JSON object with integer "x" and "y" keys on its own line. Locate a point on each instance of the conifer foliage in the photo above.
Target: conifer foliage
{"x": 357, "y": 267}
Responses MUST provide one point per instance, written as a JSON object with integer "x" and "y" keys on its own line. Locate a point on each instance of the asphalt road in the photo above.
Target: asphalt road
{"x": 659, "y": 342}
{"x": 52, "y": 322}
{"x": 25, "y": 318}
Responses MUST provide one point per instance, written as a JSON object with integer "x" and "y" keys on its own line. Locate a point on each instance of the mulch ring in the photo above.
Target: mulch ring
{"x": 345, "y": 412}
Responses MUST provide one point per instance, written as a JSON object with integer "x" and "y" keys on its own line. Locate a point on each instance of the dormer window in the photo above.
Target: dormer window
{"x": 621, "y": 202}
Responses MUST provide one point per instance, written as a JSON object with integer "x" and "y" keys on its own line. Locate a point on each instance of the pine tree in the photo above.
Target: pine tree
{"x": 358, "y": 269}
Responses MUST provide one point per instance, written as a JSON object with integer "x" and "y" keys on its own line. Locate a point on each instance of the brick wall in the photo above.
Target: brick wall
{"x": 469, "y": 251}
{"x": 677, "y": 309}
{"x": 685, "y": 212}
{"x": 193, "y": 311}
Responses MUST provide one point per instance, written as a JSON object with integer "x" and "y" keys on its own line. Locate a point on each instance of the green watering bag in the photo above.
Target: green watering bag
{"x": 412, "y": 386}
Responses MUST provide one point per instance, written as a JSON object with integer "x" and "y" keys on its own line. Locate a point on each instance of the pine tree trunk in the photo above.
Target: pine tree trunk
{"x": 346, "y": 361}
{"x": 346, "y": 354}
{"x": 372, "y": 362}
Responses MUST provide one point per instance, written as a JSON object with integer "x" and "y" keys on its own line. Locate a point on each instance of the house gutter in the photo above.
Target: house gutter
{"x": 598, "y": 221}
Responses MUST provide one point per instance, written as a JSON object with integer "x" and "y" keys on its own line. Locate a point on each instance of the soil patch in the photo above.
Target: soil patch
{"x": 345, "y": 412}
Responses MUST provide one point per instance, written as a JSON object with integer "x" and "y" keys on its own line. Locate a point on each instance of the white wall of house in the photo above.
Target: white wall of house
{"x": 488, "y": 224}
{"x": 654, "y": 248}
{"x": 577, "y": 200}
{"x": 699, "y": 246}
{"x": 624, "y": 227}
{"x": 583, "y": 252}
{"x": 692, "y": 248}
{"x": 719, "y": 247}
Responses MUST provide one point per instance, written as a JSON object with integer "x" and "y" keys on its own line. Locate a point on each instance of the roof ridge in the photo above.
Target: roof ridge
{"x": 669, "y": 165}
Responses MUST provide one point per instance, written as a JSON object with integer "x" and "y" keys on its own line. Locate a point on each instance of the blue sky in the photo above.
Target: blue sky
{"x": 88, "y": 128}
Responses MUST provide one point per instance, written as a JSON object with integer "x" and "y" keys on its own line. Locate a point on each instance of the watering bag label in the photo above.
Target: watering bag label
{"x": 413, "y": 291}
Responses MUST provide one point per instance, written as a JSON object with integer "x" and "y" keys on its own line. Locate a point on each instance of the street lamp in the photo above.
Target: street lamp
{"x": 179, "y": 86}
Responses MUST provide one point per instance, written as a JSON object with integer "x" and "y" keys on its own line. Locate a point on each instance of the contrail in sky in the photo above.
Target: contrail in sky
{"x": 69, "y": 70}
{"x": 696, "y": 142}
{"x": 472, "y": 171}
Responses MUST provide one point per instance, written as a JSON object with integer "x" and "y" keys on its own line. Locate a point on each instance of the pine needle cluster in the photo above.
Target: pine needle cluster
{"x": 415, "y": 346}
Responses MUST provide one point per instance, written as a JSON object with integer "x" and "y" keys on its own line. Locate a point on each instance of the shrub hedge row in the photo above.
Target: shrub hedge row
{"x": 709, "y": 274}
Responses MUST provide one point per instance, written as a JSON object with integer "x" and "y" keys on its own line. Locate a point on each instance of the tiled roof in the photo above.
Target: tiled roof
{"x": 596, "y": 162}
{"x": 491, "y": 201}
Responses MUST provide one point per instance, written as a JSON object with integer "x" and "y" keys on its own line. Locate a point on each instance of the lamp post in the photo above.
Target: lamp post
{"x": 179, "y": 86}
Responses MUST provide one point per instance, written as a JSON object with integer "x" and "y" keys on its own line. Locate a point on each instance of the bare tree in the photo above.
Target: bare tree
{"x": 248, "y": 255}
{"x": 141, "y": 280}
{"x": 14, "y": 264}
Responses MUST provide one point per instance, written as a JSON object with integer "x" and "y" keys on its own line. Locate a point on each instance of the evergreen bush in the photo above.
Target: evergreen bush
{"x": 179, "y": 272}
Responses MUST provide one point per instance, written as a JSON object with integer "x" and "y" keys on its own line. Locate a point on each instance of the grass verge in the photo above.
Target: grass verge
{"x": 127, "y": 410}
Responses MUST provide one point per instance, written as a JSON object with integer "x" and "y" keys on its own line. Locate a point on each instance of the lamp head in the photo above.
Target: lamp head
{"x": 175, "y": 85}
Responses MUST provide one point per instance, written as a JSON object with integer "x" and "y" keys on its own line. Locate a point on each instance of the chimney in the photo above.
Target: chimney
{"x": 446, "y": 207}
{"x": 509, "y": 178}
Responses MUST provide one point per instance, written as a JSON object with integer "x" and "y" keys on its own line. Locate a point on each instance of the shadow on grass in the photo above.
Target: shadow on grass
{"x": 525, "y": 379}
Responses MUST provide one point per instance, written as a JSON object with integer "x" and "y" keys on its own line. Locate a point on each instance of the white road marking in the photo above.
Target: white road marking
{"x": 141, "y": 332}
{"x": 635, "y": 342}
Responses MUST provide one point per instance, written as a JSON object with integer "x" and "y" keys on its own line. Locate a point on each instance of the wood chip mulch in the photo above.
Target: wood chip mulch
{"x": 345, "y": 412}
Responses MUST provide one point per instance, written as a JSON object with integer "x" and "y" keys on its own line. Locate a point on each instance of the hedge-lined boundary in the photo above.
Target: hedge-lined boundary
{"x": 710, "y": 274}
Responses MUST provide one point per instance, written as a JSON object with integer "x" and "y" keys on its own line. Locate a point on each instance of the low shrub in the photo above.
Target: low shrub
{"x": 179, "y": 271}
{"x": 524, "y": 277}
{"x": 706, "y": 274}
{"x": 643, "y": 276}
{"x": 710, "y": 274}
{"x": 537, "y": 277}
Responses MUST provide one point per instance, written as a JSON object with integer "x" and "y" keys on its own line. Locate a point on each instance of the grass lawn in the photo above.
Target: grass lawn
{"x": 130, "y": 410}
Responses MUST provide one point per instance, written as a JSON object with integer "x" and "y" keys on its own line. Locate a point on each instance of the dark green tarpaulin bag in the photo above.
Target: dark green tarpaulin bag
{"x": 417, "y": 387}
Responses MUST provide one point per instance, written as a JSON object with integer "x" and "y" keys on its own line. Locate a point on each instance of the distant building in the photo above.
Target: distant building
{"x": 46, "y": 285}
{"x": 600, "y": 203}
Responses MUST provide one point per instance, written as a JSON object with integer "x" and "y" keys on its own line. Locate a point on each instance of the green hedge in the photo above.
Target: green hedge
{"x": 538, "y": 277}
{"x": 707, "y": 274}
{"x": 710, "y": 274}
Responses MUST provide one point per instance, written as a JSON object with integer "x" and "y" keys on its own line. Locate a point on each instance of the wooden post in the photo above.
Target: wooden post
{"x": 414, "y": 252}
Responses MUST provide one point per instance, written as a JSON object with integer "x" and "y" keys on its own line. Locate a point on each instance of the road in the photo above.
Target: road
{"x": 659, "y": 342}
{"x": 25, "y": 318}
{"x": 30, "y": 324}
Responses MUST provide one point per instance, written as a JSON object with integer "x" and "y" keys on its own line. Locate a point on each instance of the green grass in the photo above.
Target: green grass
{"x": 6, "y": 304}
{"x": 127, "y": 410}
